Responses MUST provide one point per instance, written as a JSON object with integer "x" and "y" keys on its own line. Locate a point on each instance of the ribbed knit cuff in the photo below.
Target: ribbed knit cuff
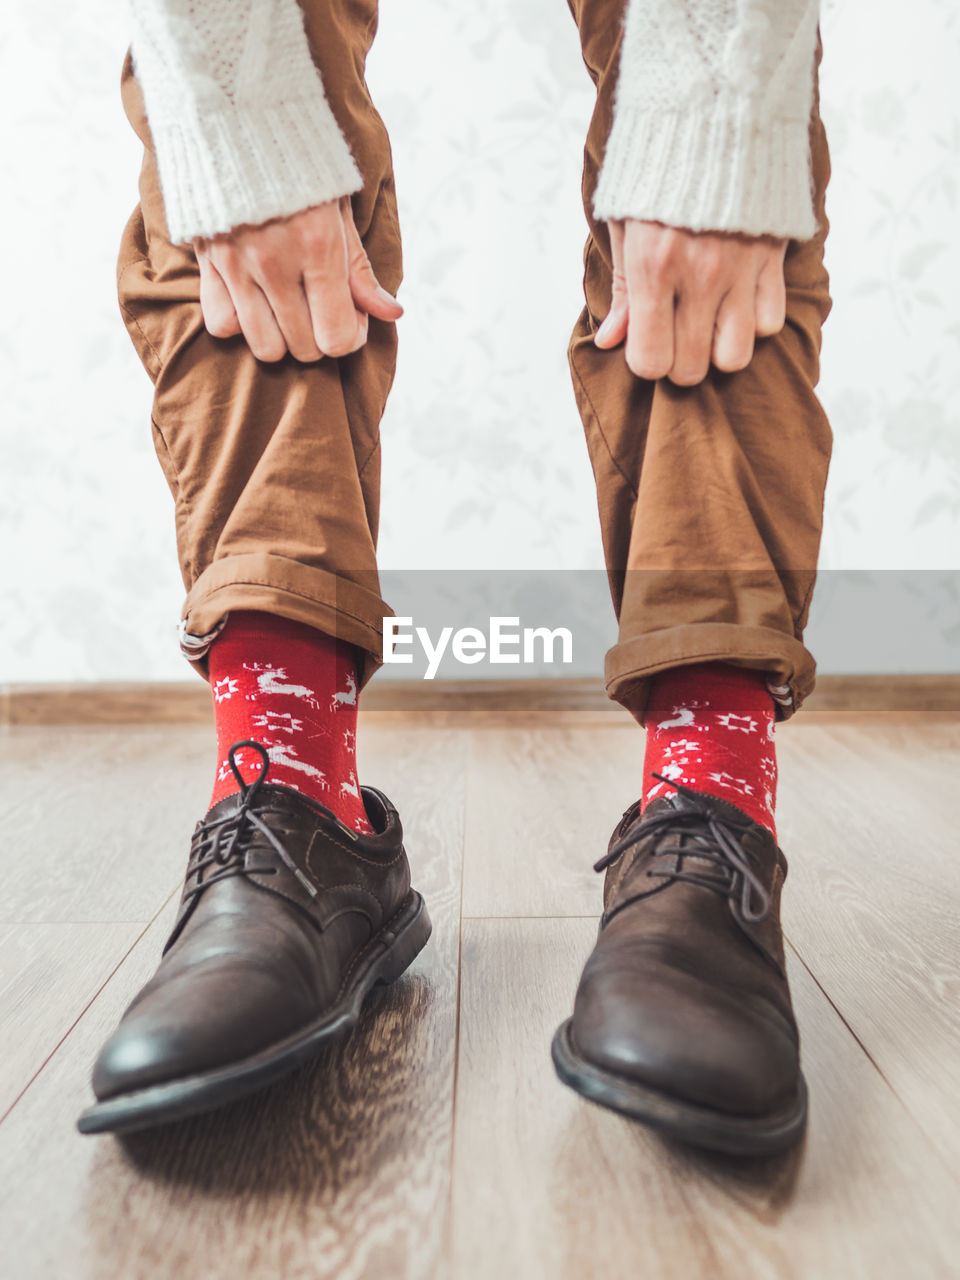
{"x": 221, "y": 169}
{"x": 708, "y": 170}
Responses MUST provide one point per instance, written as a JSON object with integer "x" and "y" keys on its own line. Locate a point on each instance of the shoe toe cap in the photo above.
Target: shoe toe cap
{"x": 686, "y": 1035}
{"x": 195, "y": 1023}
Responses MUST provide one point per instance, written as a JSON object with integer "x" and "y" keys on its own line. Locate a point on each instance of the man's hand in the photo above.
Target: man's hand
{"x": 683, "y": 299}
{"x": 302, "y": 284}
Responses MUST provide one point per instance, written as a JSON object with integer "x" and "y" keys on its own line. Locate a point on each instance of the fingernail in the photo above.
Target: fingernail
{"x": 388, "y": 297}
{"x": 604, "y": 329}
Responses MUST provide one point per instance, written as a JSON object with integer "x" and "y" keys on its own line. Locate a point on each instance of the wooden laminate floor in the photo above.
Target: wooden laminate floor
{"x": 436, "y": 1141}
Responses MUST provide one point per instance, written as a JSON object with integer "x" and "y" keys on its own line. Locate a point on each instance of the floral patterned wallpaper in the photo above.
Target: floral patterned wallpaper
{"x": 484, "y": 464}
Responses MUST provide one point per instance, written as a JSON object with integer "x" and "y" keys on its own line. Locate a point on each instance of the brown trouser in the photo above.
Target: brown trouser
{"x": 710, "y": 497}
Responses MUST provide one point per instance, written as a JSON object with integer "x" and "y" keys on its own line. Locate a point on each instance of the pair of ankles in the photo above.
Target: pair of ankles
{"x": 709, "y": 725}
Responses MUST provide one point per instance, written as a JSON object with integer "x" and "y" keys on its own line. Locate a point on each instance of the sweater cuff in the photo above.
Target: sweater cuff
{"x": 220, "y": 169}
{"x": 708, "y": 170}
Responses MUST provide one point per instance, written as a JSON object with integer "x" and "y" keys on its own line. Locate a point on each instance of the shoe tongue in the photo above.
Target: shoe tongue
{"x": 705, "y": 801}
{"x": 664, "y": 802}
{"x": 740, "y": 824}
{"x": 681, "y": 837}
{"x": 224, "y": 806}
{"x": 230, "y": 803}
{"x": 679, "y": 802}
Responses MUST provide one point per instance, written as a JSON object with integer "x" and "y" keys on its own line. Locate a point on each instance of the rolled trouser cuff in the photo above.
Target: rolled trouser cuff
{"x": 350, "y": 608}
{"x": 789, "y": 666}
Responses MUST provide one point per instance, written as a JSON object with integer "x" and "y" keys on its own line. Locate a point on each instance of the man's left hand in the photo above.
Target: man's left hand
{"x": 684, "y": 300}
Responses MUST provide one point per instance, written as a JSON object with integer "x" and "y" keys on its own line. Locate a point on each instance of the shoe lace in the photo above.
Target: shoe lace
{"x": 710, "y": 838}
{"x": 221, "y": 845}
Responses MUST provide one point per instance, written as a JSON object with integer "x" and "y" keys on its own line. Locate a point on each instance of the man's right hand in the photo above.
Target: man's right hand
{"x": 302, "y": 284}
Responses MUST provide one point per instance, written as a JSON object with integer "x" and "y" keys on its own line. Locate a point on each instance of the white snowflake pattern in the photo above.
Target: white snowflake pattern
{"x": 671, "y": 752}
{"x": 730, "y": 720}
{"x": 725, "y": 779}
{"x": 277, "y": 721}
{"x": 225, "y": 688}
{"x": 349, "y": 738}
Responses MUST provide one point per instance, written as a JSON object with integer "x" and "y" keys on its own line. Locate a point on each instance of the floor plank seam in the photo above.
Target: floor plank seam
{"x": 869, "y": 1056}
{"x": 873, "y": 1062}
{"x": 89, "y": 1004}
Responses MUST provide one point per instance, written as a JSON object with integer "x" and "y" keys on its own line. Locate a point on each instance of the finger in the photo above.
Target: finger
{"x": 651, "y": 291}
{"x": 216, "y": 305}
{"x": 771, "y": 297}
{"x": 733, "y": 337}
{"x": 696, "y": 319}
{"x": 366, "y": 290}
{"x": 257, "y": 321}
{"x": 338, "y": 327}
{"x": 291, "y": 310}
{"x": 613, "y": 330}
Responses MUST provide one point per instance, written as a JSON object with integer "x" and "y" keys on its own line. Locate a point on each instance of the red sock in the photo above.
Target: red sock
{"x": 710, "y": 726}
{"x": 294, "y": 689}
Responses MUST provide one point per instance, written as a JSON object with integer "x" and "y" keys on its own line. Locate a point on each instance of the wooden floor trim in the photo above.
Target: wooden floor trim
{"x": 188, "y": 702}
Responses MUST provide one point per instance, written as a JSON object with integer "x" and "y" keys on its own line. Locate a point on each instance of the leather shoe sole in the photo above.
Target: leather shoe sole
{"x": 739, "y": 1135}
{"x": 385, "y": 957}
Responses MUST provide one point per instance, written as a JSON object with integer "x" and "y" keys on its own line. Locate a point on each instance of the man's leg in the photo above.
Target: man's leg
{"x": 711, "y": 506}
{"x": 297, "y": 899}
{"x": 711, "y": 496}
{"x": 274, "y": 467}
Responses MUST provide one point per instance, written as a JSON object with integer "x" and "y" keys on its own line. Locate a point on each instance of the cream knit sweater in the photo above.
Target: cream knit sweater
{"x": 710, "y": 125}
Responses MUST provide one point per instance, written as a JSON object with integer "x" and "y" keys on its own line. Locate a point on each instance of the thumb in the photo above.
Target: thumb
{"x": 613, "y": 330}
{"x": 368, "y": 293}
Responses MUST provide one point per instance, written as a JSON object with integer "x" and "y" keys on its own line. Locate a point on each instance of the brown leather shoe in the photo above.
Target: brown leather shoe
{"x": 288, "y": 919}
{"x": 683, "y": 1017}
